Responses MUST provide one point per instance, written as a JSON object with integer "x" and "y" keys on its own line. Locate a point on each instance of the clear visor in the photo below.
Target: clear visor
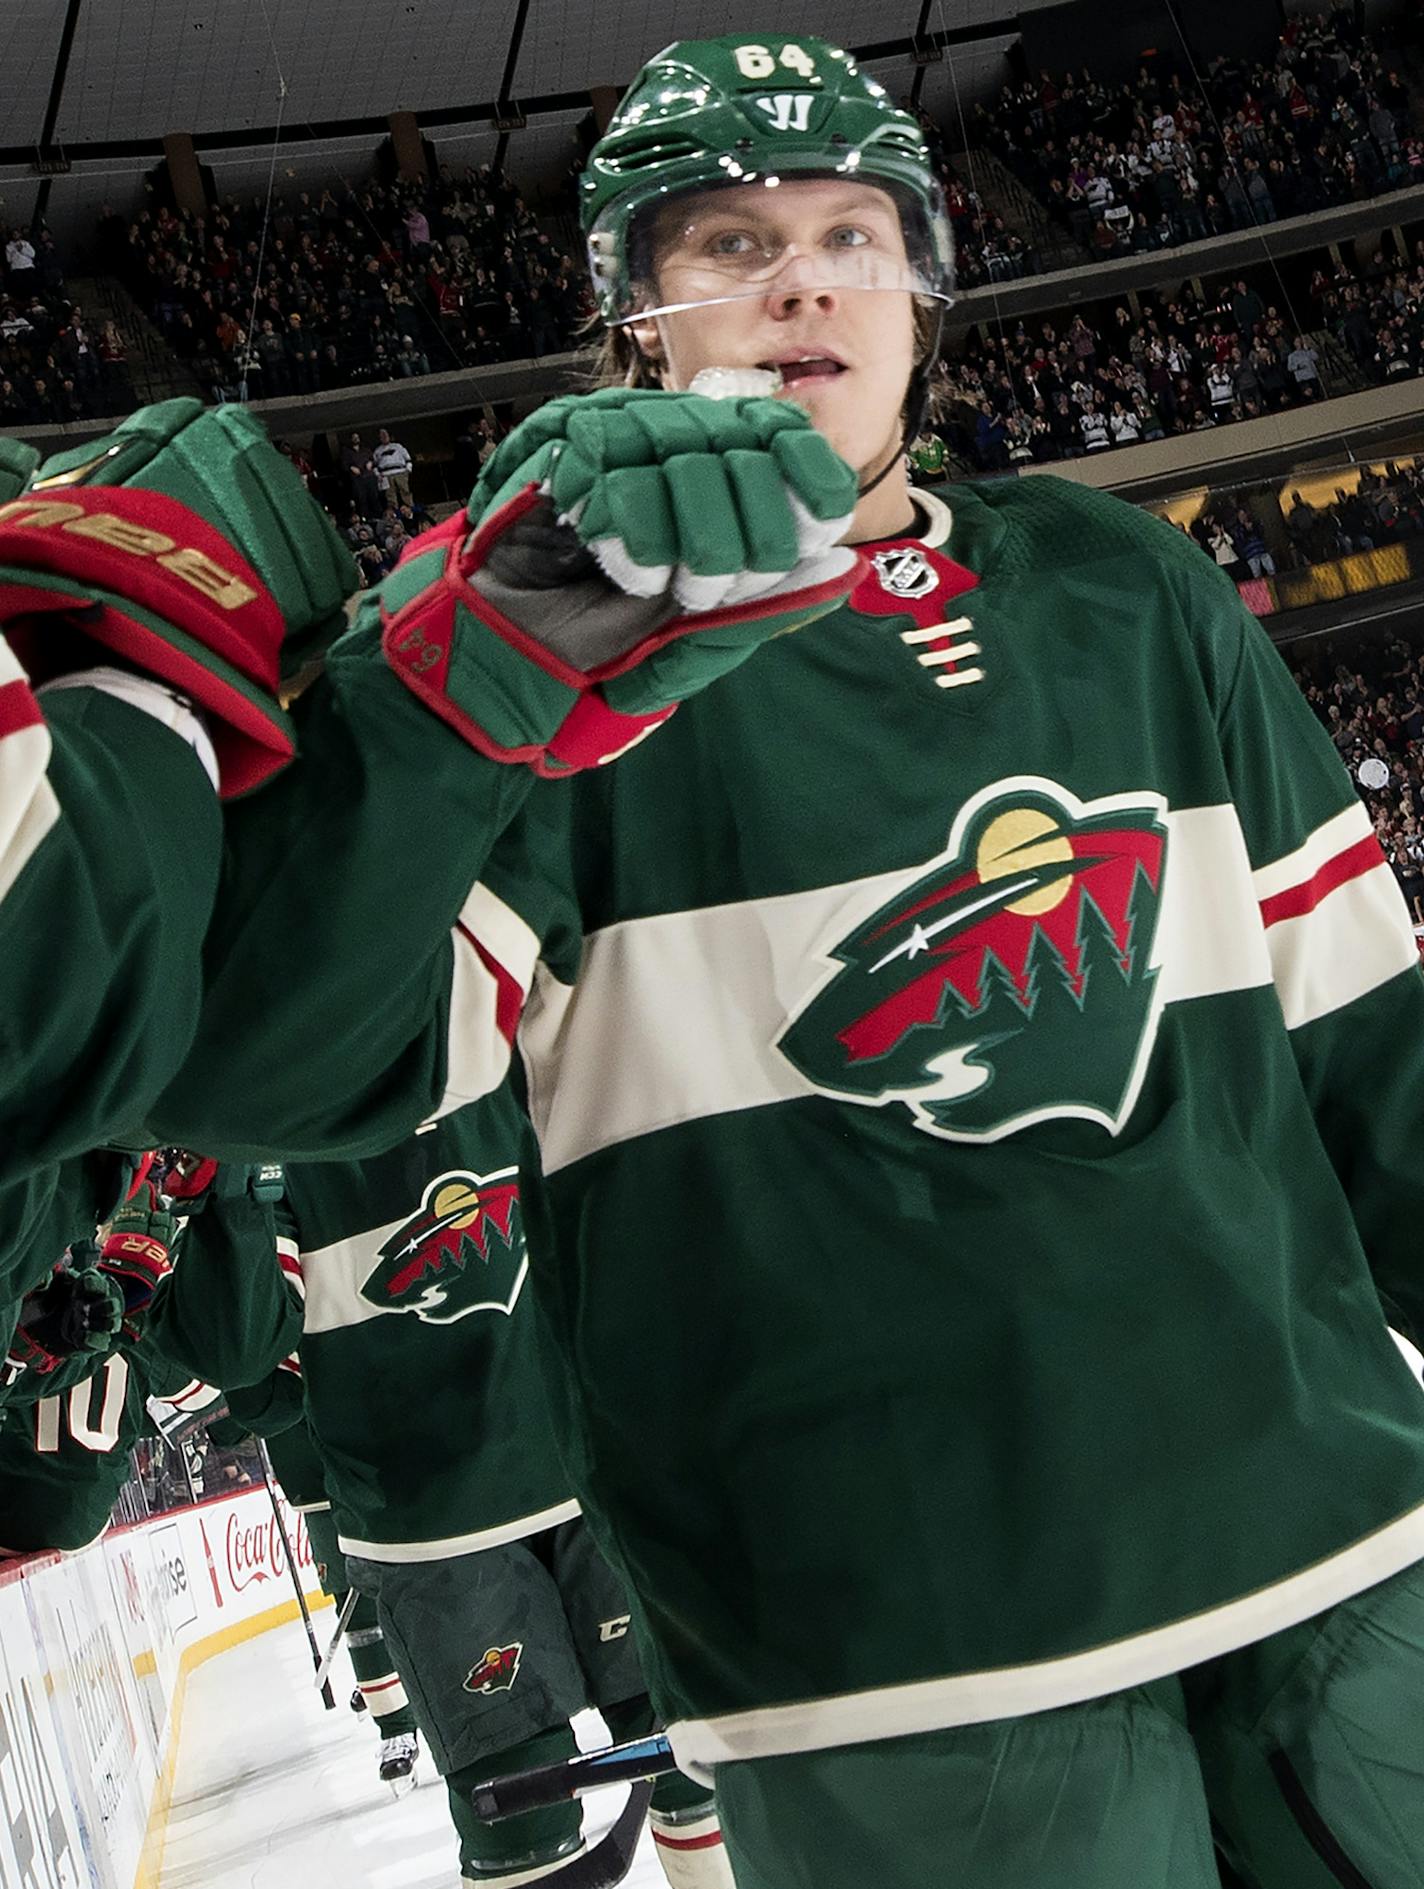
{"x": 770, "y": 236}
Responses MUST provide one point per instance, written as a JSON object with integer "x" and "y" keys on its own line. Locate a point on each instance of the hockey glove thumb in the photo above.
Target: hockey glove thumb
{"x": 187, "y": 546}
{"x": 622, "y": 550}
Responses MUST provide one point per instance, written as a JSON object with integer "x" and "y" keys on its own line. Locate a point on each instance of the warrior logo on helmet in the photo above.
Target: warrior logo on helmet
{"x": 462, "y": 1252}
{"x": 1009, "y": 984}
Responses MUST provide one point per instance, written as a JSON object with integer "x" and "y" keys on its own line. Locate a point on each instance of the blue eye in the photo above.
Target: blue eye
{"x": 847, "y": 237}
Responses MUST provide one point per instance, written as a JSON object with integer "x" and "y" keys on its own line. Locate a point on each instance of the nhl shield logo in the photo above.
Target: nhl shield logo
{"x": 462, "y": 1251}
{"x": 905, "y": 571}
{"x": 496, "y": 1670}
{"x": 1010, "y": 983}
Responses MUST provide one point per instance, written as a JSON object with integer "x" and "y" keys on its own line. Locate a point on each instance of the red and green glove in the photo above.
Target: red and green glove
{"x": 190, "y": 549}
{"x": 621, "y": 551}
{"x": 138, "y": 1250}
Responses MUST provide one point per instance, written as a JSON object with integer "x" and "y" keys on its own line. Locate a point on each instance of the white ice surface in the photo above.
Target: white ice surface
{"x": 272, "y": 1792}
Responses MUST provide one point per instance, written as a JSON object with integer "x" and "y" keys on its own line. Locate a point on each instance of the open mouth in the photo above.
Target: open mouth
{"x": 807, "y": 368}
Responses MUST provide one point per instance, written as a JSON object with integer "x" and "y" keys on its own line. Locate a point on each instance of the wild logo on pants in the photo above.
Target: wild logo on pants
{"x": 497, "y": 1670}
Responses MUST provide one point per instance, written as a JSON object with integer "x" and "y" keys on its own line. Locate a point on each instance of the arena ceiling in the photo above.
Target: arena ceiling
{"x": 100, "y": 77}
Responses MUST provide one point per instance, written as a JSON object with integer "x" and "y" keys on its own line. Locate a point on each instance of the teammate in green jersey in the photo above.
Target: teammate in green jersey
{"x": 273, "y": 1410}
{"x": 409, "y": 1423}
{"x": 976, "y": 1049}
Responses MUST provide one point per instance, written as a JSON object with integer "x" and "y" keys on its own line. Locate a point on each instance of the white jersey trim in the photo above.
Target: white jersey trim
{"x": 1331, "y": 837}
{"x": 858, "y": 1718}
{"x": 495, "y": 952}
{"x": 540, "y": 1872}
{"x": 649, "y": 1038}
{"x": 29, "y": 806}
{"x": 1357, "y": 938}
{"x": 447, "y": 1547}
{"x": 939, "y": 520}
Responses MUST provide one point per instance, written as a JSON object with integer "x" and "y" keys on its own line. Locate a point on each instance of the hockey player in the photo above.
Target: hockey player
{"x": 273, "y": 1410}
{"x": 443, "y": 1491}
{"x": 73, "y": 1415}
{"x": 64, "y": 1454}
{"x": 105, "y": 1212}
{"x": 975, "y": 1049}
{"x": 139, "y": 679}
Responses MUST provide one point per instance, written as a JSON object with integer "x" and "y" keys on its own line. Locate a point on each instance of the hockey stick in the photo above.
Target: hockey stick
{"x": 546, "y": 1784}
{"x": 348, "y": 1607}
{"x": 610, "y": 1859}
{"x": 328, "y": 1698}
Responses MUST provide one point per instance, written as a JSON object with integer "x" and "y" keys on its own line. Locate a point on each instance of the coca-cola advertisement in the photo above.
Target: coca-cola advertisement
{"x": 243, "y": 1549}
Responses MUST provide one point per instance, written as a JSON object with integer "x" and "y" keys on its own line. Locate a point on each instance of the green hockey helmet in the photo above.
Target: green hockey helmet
{"x": 739, "y": 115}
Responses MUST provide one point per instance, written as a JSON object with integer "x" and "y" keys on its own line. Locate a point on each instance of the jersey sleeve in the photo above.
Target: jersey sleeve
{"x": 227, "y": 1313}
{"x": 267, "y": 1408}
{"x": 110, "y": 840}
{"x": 363, "y": 972}
{"x": 1344, "y": 961}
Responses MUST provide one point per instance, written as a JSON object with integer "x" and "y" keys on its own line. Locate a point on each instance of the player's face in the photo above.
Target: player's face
{"x": 814, "y": 270}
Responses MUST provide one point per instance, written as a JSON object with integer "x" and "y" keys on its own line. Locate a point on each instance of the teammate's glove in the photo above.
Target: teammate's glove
{"x": 629, "y": 547}
{"x": 195, "y": 1180}
{"x": 78, "y": 1308}
{"x": 138, "y": 1251}
{"x": 187, "y": 545}
{"x": 189, "y": 1180}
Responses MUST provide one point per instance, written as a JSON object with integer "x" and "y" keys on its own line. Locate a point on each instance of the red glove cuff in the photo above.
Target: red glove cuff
{"x": 137, "y": 1254}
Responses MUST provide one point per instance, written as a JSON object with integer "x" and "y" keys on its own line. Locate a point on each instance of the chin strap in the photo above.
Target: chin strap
{"x": 917, "y": 400}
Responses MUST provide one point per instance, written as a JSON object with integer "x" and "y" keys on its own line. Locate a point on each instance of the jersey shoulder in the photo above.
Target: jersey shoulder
{"x": 1020, "y": 526}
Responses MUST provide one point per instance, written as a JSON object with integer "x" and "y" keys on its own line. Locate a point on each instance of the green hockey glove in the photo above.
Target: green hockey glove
{"x": 189, "y": 547}
{"x": 78, "y": 1308}
{"x": 628, "y": 548}
{"x": 17, "y": 462}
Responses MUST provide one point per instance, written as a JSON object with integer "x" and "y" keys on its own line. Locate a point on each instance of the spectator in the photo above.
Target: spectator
{"x": 19, "y": 262}
{"x": 377, "y": 278}
{"x": 1250, "y": 545}
{"x": 393, "y": 466}
{"x": 1304, "y": 367}
{"x": 1223, "y": 547}
{"x": 365, "y": 486}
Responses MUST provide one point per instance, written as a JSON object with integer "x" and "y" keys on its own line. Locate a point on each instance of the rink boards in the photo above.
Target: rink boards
{"x": 95, "y": 1649}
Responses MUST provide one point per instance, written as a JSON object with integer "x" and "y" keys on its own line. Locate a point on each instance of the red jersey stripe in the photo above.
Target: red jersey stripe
{"x": 712, "y": 1838}
{"x": 1296, "y": 900}
{"x": 18, "y": 707}
{"x": 509, "y": 998}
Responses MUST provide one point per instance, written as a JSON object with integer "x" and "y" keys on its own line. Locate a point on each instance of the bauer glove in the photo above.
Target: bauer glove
{"x": 628, "y": 548}
{"x": 187, "y": 545}
{"x": 138, "y": 1251}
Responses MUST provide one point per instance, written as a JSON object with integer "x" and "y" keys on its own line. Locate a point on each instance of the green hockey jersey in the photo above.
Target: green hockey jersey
{"x": 65, "y": 1456}
{"x": 419, "y": 1348}
{"x": 977, "y": 1055}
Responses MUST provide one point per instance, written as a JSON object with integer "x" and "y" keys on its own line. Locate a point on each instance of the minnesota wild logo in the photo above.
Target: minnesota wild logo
{"x": 1012, "y": 982}
{"x": 462, "y": 1252}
